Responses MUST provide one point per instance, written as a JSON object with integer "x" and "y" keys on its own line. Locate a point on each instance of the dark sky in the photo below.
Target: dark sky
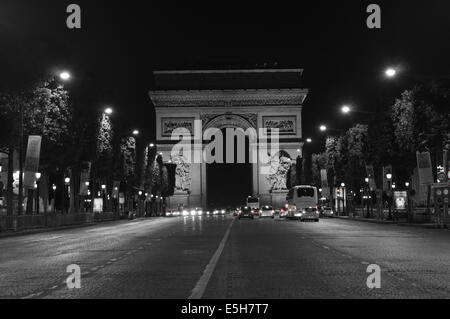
{"x": 121, "y": 43}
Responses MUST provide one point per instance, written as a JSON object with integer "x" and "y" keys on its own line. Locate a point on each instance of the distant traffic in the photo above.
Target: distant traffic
{"x": 301, "y": 204}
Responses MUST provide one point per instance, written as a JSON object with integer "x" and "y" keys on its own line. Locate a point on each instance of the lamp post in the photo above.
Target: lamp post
{"x": 367, "y": 193}
{"x": 54, "y": 198}
{"x": 67, "y": 189}
{"x": 104, "y": 196}
{"x": 38, "y": 177}
{"x": 408, "y": 203}
{"x": 389, "y": 193}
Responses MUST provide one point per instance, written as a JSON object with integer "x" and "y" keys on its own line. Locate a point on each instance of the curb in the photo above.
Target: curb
{"x": 428, "y": 226}
{"x": 50, "y": 229}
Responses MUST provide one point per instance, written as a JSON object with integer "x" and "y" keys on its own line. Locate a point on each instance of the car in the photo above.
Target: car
{"x": 246, "y": 212}
{"x": 219, "y": 211}
{"x": 283, "y": 212}
{"x": 173, "y": 213}
{"x": 196, "y": 211}
{"x": 127, "y": 215}
{"x": 266, "y": 211}
{"x": 309, "y": 213}
{"x": 327, "y": 212}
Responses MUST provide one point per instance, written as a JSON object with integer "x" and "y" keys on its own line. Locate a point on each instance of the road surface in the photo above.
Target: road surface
{"x": 223, "y": 257}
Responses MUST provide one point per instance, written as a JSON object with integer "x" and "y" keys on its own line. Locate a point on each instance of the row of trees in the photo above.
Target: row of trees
{"x": 419, "y": 120}
{"x": 70, "y": 137}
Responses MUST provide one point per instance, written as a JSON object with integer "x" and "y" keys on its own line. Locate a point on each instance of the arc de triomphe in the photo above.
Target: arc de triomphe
{"x": 267, "y": 98}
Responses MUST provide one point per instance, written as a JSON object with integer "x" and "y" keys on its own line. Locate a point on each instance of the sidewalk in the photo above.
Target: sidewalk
{"x": 379, "y": 221}
{"x": 37, "y": 230}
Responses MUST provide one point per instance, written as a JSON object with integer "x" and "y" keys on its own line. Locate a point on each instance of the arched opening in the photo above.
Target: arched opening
{"x": 230, "y": 182}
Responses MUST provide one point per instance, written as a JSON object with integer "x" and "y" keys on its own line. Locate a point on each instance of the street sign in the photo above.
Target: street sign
{"x": 400, "y": 200}
{"x": 98, "y": 205}
{"x": 424, "y": 168}
{"x": 32, "y": 160}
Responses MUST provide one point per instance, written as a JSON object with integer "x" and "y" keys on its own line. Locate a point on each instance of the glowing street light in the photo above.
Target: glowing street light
{"x": 108, "y": 111}
{"x": 65, "y": 76}
{"x": 136, "y": 132}
{"x": 67, "y": 180}
{"x": 323, "y": 128}
{"x": 308, "y": 140}
{"x": 342, "y": 184}
{"x": 407, "y": 184}
{"x": 152, "y": 145}
{"x": 38, "y": 176}
{"x": 345, "y": 109}
{"x": 390, "y": 72}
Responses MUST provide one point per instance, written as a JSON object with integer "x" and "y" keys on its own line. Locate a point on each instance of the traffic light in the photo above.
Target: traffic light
{"x": 441, "y": 194}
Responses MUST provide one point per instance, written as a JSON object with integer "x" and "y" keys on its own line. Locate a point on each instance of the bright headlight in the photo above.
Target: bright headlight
{"x": 193, "y": 212}
{"x": 185, "y": 213}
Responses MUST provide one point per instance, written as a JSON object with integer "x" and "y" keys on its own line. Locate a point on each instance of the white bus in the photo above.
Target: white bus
{"x": 253, "y": 203}
{"x": 302, "y": 203}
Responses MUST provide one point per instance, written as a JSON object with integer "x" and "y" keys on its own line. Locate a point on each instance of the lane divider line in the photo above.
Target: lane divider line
{"x": 199, "y": 289}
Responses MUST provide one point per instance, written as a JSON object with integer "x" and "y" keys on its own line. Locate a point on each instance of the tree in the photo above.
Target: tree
{"x": 357, "y": 156}
{"x": 318, "y": 162}
{"x": 421, "y": 122}
{"x": 46, "y": 112}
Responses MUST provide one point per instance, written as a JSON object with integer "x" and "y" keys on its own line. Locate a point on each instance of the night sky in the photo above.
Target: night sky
{"x": 121, "y": 43}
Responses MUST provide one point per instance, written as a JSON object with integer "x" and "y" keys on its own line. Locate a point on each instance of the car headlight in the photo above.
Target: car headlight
{"x": 200, "y": 212}
{"x": 185, "y": 213}
{"x": 216, "y": 212}
{"x": 207, "y": 213}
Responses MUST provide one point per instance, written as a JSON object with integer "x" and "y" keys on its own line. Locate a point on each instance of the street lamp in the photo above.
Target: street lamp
{"x": 67, "y": 182}
{"x": 38, "y": 177}
{"x": 407, "y": 184}
{"x": 54, "y": 198}
{"x": 65, "y": 76}
{"x": 108, "y": 111}
{"x": 390, "y": 72}
{"x": 136, "y": 132}
{"x": 308, "y": 140}
{"x": 152, "y": 145}
{"x": 323, "y": 128}
{"x": 345, "y": 109}
{"x": 342, "y": 184}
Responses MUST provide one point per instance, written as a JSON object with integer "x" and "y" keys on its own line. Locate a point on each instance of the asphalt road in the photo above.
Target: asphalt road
{"x": 222, "y": 257}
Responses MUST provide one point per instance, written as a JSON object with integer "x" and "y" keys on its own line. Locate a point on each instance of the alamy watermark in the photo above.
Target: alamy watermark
{"x": 74, "y": 279}
{"x": 374, "y": 279}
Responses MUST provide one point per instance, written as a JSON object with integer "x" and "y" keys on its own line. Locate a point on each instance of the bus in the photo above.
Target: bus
{"x": 302, "y": 202}
{"x": 253, "y": 203}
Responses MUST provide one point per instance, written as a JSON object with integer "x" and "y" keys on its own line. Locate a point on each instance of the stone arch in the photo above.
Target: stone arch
{"x": 228, "y": 120}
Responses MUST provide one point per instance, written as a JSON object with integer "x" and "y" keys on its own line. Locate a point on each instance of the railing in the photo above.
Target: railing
{"x": 8, "y": 223}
